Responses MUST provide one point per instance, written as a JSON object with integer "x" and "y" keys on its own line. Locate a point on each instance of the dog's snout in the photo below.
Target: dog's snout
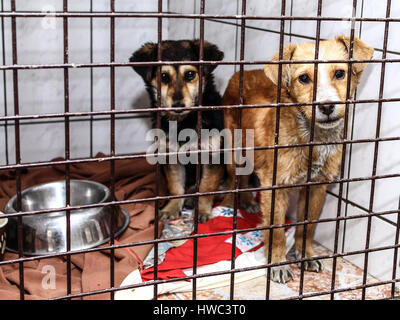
{"x": 177, "y": 95}
{"x": 327, "y": 109}
{"x": 178, "y": 105}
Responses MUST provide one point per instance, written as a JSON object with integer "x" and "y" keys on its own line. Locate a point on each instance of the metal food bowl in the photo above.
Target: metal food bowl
{"x": 3, "y": 225}
{"x": 46, "y": 233}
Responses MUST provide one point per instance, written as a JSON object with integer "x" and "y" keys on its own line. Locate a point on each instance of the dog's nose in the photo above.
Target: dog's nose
{"x": 178, "y": 105}
{"x": 326, "y": 109}
{"x": 177, "y": 95}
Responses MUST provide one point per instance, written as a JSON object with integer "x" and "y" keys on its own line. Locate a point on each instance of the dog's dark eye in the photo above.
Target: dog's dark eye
{"x": 339, "y": 74}
{"x": 190, "y": 75}
{"x": 165, "y": 77}
{"x": 304, "y": 78}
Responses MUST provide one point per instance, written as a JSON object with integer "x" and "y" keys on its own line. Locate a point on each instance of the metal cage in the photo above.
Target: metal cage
{"x": 11, "y": 122}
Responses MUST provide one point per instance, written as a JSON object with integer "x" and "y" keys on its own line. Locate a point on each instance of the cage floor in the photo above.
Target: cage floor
{"x": 348, "y": 276}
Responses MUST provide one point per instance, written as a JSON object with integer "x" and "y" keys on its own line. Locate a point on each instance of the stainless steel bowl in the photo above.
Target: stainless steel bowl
{"x": 46, "y": 233}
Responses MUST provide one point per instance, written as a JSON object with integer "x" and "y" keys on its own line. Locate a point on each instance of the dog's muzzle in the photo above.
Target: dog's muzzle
{"x": 327, "y": 116}
{"x": 326, "y": 109}
{"x": 177, "y": 111}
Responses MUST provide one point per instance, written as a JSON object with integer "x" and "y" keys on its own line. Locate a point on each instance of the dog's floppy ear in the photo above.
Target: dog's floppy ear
{"x": 271, "y": 70}
{"x": 210, "y": 53}
{"x": 147, "y": 53}
{"x": 361, "y": 51}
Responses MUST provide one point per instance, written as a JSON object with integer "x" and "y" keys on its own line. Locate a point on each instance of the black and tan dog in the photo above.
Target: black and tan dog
{"x": 179, "y": 89}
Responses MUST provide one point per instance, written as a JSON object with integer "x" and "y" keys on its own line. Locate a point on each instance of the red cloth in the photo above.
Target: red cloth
{"x": 210, "y": 249}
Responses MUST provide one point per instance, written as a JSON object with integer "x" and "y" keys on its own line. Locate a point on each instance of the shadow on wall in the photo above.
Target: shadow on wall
{"x": 141, "y": 100}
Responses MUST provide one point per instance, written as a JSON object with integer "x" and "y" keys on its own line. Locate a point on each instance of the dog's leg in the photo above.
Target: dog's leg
{"x": 247, "y": 202}
{"x": 189, "y": 202}
{"x": 175, "y": 174}
{"x": 210, "y": 181}
{"x": 281, "y": 274}
{"x": 317, "y": 197}
{"x": 230, "y": 185}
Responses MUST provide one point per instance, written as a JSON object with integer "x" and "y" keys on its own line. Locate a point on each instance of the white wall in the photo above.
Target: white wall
{"x": 42, "y": 91}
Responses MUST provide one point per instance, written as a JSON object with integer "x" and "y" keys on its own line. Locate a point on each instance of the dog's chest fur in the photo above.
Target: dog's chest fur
{"x": 210, "y": 119}
{"x": 326, "y": 158}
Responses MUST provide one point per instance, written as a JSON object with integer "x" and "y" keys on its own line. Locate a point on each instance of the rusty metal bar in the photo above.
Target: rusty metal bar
{"x": 194, "y": 108}
{"x": 91, "y": 81}
{"x": 17, "y": 150}
{"x": 157, "y": 198}
{"x": 112, "y": 147}
{"x": 310, "y": 149}
{"x": 210, "y": 274}
{"x": 158, "y": 125}
{"x": 199, "y": 127}
{"x": 239, "y": 126}
{"x": 344, "y": 149}
{"x": 139, "y": 243}
{"x": 275, "y": 161}
{"x": 20, "y": 14}
{"x": 166, "y": 63}
{"x": 143, "y": 155}
{"x": 376, "y": 149}
{"x": 67, "y": 146}
{"x": 227, "y": 272}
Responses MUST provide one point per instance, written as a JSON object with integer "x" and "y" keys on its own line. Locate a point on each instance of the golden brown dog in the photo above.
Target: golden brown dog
{"x": 260, "y": 87}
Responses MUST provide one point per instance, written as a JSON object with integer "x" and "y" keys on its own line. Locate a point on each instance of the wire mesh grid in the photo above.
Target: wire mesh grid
{"x": 12, "y": 119}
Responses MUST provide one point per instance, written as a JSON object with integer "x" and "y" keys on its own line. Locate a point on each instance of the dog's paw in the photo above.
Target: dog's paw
{"x": 227, "y": 201}
{"x": 204, "y": 215}
{"x": 172, "y": 210}
{"x": 166, "y": 214}
{"x": 281, "y": 274}
{"x": 314, "y": 265}
{"x": 250, "y": 206}
{"x": 204, "y": 218}
{"x": 189, "y": 203}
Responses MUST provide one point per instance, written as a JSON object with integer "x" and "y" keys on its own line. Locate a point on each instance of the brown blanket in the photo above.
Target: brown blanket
{"x": 134, "y": 179}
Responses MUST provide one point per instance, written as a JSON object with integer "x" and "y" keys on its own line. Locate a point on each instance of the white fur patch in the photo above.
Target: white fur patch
{"x": 325, "y": 90}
